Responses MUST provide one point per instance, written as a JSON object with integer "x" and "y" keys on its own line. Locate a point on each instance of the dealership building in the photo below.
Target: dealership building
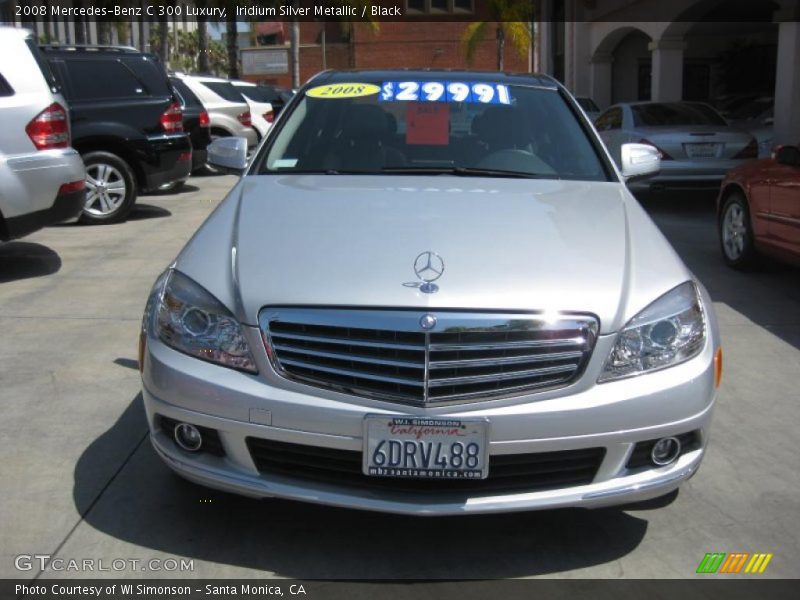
{"x": 624, "y": 50}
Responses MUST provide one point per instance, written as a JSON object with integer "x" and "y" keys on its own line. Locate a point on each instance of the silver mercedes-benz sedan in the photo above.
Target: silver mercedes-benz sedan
{"x": 431, "y": 293}
{"x": 698, "y": 147}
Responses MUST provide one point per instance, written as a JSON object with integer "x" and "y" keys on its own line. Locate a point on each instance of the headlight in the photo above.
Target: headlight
{"x": 668, "y": 332}
{"x": 188, "y": 318}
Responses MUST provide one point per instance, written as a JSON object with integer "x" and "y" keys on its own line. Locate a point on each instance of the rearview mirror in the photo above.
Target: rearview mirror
{"x": 638, "y": 160}
{"x": 228, "y": 154}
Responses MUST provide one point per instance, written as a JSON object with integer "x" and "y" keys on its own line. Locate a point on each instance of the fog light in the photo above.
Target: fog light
{"x": 188, "y": 437}
{"x": 665, "y": 451}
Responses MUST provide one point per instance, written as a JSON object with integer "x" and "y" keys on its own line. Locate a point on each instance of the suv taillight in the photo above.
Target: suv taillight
{"x": 204, "y": 120}
{"x": 245, "y": 119}
{"x": 269, "y": 116}
{"x": 50, "y": 128}
{"x": 172, "y": 118}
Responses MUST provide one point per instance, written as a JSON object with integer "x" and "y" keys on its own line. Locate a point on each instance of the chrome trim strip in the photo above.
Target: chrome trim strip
{"x": 641, "y": 487}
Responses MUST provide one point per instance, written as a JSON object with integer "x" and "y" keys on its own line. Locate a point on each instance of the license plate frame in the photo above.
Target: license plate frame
{"x": 702, "y": 149}
{"x": 433, "y": 439}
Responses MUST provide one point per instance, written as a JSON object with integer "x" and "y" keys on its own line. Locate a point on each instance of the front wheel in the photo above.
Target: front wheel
{"x": 110, "y": 188}
{"x": 736, "y": 233}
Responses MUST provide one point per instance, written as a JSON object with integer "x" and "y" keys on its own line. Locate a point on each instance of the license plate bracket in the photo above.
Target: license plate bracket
{"x": 425, "y": 447}
{"x": 702, "y": 150}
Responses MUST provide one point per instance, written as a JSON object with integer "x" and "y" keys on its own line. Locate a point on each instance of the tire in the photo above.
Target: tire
{"x": 736, "y": 233}
{"x": 110, "y": 188}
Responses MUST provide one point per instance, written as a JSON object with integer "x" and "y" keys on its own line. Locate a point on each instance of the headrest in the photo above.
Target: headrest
{"x": 365, "y": 121}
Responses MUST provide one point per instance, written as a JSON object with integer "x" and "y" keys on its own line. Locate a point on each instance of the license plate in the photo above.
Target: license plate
{"x": 704, "y": 150}
{"x": 426, "y": 448}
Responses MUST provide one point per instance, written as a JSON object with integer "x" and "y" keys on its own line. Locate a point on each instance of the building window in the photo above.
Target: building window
{"x": 439, "y": 6}
{"x": 463, "y": 6}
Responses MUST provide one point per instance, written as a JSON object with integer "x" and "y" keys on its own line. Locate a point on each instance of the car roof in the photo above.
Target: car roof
{"x": 530, "y": 79}
{"x": 16, "y": 31}
{"x": 94, "y": 48}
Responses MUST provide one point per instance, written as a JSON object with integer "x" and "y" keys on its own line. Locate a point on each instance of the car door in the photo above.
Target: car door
{"x": 784, "y": 223}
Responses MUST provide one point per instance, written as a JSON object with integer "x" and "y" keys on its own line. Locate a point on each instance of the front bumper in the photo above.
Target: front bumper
{"x": 689, "y": 174}
{"x": 614, "y": 416}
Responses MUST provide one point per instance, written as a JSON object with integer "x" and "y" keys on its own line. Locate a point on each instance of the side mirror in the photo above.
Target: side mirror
{"x": 787, "y": 155}
{"x": 228, "y": 154}
{"x": 638, "y": 160}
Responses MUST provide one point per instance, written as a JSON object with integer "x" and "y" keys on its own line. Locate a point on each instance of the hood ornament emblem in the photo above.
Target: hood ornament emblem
{"x": 427, "y": 321}
{"x": 428, "y": 267}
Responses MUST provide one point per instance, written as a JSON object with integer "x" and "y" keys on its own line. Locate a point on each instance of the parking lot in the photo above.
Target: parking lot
{"x": 81, "y": 481}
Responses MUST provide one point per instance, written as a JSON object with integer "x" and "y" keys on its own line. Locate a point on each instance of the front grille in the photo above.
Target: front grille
{"x": 508, "y": 473}
{"x": 464, "y": 357}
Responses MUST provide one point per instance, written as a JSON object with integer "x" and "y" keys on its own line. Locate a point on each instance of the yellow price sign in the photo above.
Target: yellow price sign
{"x": 336, "y": 91}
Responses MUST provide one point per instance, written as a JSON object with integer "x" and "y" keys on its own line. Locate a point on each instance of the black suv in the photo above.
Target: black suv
{"x": 126, "y": 122}
{"x": 196, "y": 123}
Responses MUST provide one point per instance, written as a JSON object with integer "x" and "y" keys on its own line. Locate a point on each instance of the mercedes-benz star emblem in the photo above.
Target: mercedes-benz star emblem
{"x": 428, "y": 266}
{"x": 427, "y": 321}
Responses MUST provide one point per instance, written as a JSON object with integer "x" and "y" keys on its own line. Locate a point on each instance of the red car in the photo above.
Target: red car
{"x": 758, "y": 209}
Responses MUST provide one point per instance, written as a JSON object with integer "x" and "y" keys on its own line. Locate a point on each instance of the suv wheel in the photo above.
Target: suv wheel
{"x": 736, "y": 233}
{"x": 110, "y": 188}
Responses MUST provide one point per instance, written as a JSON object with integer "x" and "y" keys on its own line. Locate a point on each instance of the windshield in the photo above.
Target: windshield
{"x": 668, "y": 114}
{"x": 431, "y": 127}
{"x": 225, "y": 90}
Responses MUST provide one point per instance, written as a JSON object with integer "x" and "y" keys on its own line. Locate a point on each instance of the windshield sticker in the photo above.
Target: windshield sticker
{"x": 285, "y": 163}
{"x": 444, "y": 91}
{"x": 428, "y": 124}
{"x": 337, "y": 91}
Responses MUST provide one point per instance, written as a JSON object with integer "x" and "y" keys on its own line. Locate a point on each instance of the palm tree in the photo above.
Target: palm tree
{"x": 202, "y": 43}
{"x": 232, "y": 43}
{"x": 512, "y": 20}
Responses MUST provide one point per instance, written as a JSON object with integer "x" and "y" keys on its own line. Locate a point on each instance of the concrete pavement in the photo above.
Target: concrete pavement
{"x": 80, "y": 479}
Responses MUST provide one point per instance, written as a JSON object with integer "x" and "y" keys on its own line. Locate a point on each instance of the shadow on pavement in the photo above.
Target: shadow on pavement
{"x": 186, "y": 188}
{"x": 768, "y": 296}
{"x": 147, "y": 211}
{"x": 22, "y": 260}
{"x": 143, "y": 503}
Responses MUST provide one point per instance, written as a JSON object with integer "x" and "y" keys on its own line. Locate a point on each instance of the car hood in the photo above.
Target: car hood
{"x": 507, "y": 244}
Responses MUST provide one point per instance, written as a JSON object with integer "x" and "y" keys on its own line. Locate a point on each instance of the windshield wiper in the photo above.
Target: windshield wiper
{"x": 466, "y": 172}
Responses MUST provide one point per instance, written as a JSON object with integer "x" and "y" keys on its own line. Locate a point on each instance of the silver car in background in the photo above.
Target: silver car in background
{"x": 431, "y": 293}
{"x": 42, "y": 178}
{"x": 227, "y": 109}
{"x": 697, "y": 145}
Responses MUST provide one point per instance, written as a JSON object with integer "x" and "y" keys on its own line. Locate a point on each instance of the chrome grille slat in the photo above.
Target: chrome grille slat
{"x": 350, "y": 357}
{"x": 466, "y": 357}
{"x": 441, "y": 382}
{"x": 351, "y": 373}
{"x": 507, "y": 360}
{"x": 350, "y": 342}
{"x": 506, "y": 345}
